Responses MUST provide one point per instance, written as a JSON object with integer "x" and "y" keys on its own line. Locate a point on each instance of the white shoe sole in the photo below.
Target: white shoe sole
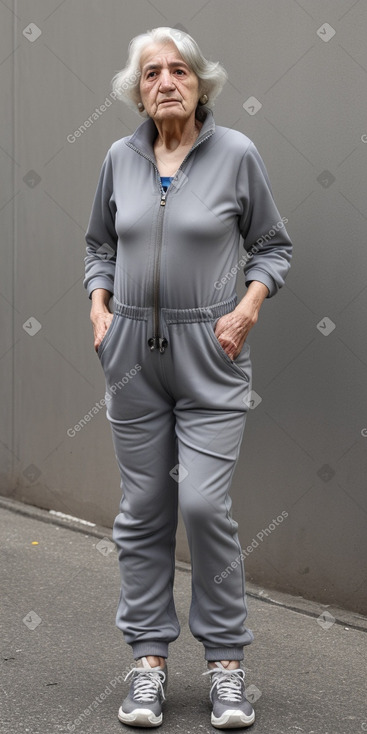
{"x": 232, "y": 719}
{"x": 140, "y": 717}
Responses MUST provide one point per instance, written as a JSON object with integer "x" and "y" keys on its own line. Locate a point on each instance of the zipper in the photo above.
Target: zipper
{"x": 157, "y": 341}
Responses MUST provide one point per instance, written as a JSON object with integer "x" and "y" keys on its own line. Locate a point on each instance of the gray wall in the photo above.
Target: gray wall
{"x": 304, "y": 450}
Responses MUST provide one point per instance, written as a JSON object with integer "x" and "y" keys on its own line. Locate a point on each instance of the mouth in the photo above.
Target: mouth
{"x": 166, "y": 101}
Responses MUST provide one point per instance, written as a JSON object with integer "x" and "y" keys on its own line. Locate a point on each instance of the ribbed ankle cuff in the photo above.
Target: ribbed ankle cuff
{"x": 214, "y": 654}
{"x": 142, "y": 649}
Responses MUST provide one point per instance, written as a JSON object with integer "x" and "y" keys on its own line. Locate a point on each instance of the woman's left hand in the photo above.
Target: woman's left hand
{"x": 232, "y": 329}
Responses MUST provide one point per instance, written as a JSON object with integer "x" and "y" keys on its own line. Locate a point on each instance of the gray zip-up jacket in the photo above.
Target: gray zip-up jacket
{"x": 181, "y": 249}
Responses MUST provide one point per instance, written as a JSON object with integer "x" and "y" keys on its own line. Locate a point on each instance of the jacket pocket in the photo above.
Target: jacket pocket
{"x": 101, "y": 348}
{"x": 242, "y": 364}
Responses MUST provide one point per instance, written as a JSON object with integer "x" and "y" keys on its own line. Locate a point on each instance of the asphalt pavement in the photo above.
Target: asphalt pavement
{"x": 64, "y": 661}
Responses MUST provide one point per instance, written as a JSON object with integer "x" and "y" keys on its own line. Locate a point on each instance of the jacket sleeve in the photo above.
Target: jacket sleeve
{"x": 101, "y": 236}
{"x": 266, "y": 241}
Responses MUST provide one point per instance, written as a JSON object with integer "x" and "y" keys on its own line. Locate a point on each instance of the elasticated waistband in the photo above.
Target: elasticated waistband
{"x": 132, "y": 312}
{"x": 178, "y": 315}
{"x": 204, "y": 313}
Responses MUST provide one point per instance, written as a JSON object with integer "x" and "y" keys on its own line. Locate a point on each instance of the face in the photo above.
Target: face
{"x": 168, "y": 87}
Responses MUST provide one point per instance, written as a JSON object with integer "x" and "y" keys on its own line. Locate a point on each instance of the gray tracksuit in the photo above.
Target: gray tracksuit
{"x": 175, "y": 401}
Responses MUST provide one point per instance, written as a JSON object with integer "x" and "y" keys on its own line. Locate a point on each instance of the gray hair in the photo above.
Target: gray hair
{"x": 211, "y": 75}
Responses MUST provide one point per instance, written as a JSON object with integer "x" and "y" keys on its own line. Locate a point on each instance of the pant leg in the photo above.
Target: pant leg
{"x": 210, "y": 413}
{"x": 142, "y": 422}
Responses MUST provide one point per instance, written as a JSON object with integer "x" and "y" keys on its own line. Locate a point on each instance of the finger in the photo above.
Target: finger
{"x": 227, "y": 343}
{"x": 220, "y": 326}
{"x": 228, "y": 348}
{"x": 97, "y": 340}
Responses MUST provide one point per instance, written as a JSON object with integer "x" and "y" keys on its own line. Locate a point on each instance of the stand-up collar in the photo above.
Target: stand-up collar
{"x": 144, "y": 136}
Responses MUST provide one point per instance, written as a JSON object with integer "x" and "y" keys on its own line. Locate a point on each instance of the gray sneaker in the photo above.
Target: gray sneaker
{"x": 143, "y": 705}
{"x": 231, "y": 709}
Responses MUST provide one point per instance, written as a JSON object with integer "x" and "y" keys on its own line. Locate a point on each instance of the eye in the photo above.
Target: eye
{"x": 151, "y": 74}
{"x": 180, "y": 72}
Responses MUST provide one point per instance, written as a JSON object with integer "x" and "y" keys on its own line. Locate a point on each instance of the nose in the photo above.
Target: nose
{"x": 166, "y": 82}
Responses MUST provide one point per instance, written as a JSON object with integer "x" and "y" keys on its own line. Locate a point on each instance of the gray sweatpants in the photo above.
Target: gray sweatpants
{"x": 177, "y": 421}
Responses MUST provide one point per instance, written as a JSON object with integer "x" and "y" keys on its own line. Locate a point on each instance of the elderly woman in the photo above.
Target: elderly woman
{"x": 163, "y": 238}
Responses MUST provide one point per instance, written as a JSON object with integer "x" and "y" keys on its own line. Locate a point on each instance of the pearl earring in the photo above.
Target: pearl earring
{"x": 203, "y": 99}
{"x": 140, "y": 106}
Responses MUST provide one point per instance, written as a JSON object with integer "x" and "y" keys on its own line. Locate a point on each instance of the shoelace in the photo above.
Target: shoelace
{"x": 147, "y": 684}
{"x": 228, "y": 683}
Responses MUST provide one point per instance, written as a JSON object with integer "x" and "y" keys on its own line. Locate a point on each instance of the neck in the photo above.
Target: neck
{"x": 175, "y": 133}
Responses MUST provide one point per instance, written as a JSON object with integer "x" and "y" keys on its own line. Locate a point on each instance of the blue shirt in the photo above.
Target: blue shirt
{"x": 166, "y": 180}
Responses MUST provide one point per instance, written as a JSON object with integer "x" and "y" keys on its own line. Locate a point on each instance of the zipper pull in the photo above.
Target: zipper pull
{"x": 157, "y": 342}
{"x": 162, "y": 344}
{"x": 153, "y": 343}
{"x": 163, "y": 199}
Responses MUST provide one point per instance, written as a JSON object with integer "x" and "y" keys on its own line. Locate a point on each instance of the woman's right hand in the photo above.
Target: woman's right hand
{"x": 101, "y": 322}
{"x": 100, "y": 315}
